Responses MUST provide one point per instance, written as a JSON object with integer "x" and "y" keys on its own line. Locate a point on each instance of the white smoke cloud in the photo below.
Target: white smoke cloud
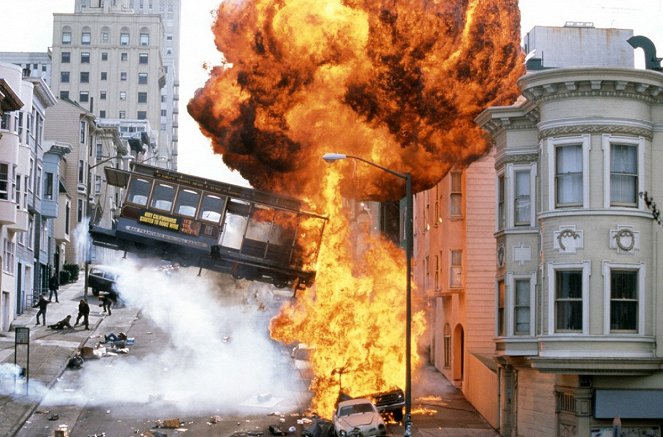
{"x": 218, "y": 352}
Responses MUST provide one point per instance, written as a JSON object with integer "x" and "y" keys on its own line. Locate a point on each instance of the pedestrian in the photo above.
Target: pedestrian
{"x": 64, "y": 323}
{"x": 42, "y": 304}
{"x": 53, "y": 286}
{"x": 106, "y": 301}
{"x": 83, "y": 312}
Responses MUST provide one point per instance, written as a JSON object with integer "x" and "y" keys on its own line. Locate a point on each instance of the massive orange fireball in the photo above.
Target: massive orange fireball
{"x": 395, "y": 82}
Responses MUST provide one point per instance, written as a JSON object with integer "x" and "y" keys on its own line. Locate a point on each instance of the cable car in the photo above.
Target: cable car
{"x": 250, "y": 234}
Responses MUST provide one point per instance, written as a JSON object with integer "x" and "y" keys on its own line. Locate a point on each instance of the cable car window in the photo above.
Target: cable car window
{"x": 260, "y": 223}
{"x": 234, "y": 224}
{"x": 187, "y": 202}
{"x": 211, "y": 208}
{"x": 162, "y": 197}
{"x": 139, "y": 191}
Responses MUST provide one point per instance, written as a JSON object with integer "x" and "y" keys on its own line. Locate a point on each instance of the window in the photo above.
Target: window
{"x": 86, "y": 38}
{"x": 104, "y": 75}
{"x": 124, "y": 39}
{"x": 211, "y": 208}
{"x": 102, "y": 95}
{"x": 105, "y": 37}
{"x": 142, "y": 58}
{"x": 85, "y": 57}
{"x": 456, "y": 269}
{"x": 142, "y": 78}
{"x": 80, "y": 211}
{"x": 85, "y": 77}
{"x": 104, "y": 56}
{"x": 83, "y": 131}
{"x": 66, "y": 37}
{"x": 122, "y": 114}
{"x": 164, "y": 112}
{"x": 48, "y": 186}
{"x": 8, "y": 265}
{"x": 81, "y": 171}
{"x": 447, "y": 345}
{"x": 624, "y": 161}
{"x": 4, "y": 181}
{"x": 501, "y": 210}
{"x": 144, "y": 39}
{"x": 123, "y": 75}
{"x": 163, "y": 196}
{"x": 436, "y": 278}
{"x": 64, "y": 94}
{"x": 623, "y": 300}
{"x": 521, "y": 201}
{"x": 568, "y": 175}
{"x": 99, "y": 151}
{"x": 67, "y": 216}
{"x": 123, "y": 96}
{"x": 97, "y": 184}
{"x": 568, "y": 301}
{"x": 124, "y": 56}
{"x": 522, "y": 307}
{"x": 65, "y": 57}
{"x": 623, "y": 290}
{"x": 19, "y": 196}
{"x": 139, "y": 191}
{"x": 501, "y": 309}
{"x": 64, "y": 76}
{"x": 141, "y": 115}
{"x": 456, "y": 199}
{"x": 187, "y": 202}
{"x": 142, "y": 97}
{"x": 102, "y": 114}
{"x": 84, "y": 96}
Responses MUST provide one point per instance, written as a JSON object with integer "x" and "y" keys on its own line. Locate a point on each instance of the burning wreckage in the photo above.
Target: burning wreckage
{"x": 247, "y": 233}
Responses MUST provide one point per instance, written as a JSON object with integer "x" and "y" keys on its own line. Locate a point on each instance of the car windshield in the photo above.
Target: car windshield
{"x": 355, "y": 409}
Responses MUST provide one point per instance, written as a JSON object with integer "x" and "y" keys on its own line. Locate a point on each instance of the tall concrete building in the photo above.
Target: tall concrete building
{"x": 119, "y": 60}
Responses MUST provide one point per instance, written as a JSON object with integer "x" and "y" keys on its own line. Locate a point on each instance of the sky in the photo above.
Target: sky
{"x": 28, "y": 26}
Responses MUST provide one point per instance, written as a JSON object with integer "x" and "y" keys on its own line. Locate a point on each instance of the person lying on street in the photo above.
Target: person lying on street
{"x": 64, "y": 323}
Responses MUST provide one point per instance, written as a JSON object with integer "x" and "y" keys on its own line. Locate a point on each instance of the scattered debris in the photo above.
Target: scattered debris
{"x": 153, "y": 434}
{"x": 214, "y": 419}
{"x": 169, "y": 423}
{"x": 275, "y": 430}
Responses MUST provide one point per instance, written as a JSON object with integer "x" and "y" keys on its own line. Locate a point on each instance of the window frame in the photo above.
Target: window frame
{"x": 513, "y": 170}
{"x": 584, "y": 141}
{"x": 455, "y": 194}
{"x": 512, "y": 304}
{"x": 585, "y": 268}
{"x": 607, "y": 141}
{"x": 608, "y": 268}
{"x": 455, "y": 269}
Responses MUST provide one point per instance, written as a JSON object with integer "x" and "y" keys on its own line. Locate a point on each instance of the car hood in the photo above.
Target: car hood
{"x": 358, "y": 420}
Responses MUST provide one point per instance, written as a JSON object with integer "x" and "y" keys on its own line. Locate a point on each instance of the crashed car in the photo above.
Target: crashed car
{"x": 103, "y": 278}
{"x": 358, "y": 417}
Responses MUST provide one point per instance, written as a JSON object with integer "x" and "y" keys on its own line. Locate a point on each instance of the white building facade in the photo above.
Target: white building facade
{"x": 578, "y": 292}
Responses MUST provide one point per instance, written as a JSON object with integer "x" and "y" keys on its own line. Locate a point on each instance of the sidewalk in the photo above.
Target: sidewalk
{"x": 439, "y": 409}
{"x": 49, "y": 351}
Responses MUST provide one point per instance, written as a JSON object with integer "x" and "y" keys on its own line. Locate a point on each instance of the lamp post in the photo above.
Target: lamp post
{"x": 332, "y": 157}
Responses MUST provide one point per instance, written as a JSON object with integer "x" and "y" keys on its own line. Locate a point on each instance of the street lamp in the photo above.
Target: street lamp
{"x": 332, "y": 157}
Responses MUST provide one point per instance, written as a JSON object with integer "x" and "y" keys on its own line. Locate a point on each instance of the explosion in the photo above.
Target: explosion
{"x": 395, "y": 82}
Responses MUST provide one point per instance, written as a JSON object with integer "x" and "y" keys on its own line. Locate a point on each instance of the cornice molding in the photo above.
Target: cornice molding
{"x": 596, "y": 129}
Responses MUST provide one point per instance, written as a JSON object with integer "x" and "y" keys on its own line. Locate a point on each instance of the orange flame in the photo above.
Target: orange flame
{"x": 394, "y": 82}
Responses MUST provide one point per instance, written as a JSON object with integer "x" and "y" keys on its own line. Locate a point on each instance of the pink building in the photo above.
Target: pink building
{"x": 455, "y": 260}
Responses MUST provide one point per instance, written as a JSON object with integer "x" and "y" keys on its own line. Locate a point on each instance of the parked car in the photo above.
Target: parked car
{"x": 358, "y": 418}
{"x": 103, "y": 278}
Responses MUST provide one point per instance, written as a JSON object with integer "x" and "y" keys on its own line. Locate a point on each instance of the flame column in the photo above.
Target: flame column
{"x": 331, "y": 157}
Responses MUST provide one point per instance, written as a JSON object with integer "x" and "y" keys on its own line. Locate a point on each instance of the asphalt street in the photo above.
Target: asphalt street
{"x": 439, "y": 408}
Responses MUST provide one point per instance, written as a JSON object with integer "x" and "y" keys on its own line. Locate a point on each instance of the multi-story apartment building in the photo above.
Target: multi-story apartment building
{"x": 34, "y": 64}
{"x": 578, "y": 283}
{"x": 26, "y": 258}
{"x": 92, "y": 147}
{"x": 454, "y": 273}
